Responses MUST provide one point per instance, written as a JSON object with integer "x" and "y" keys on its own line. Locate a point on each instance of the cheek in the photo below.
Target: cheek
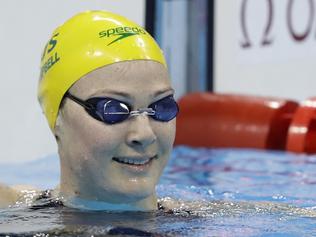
{"x": 85, "y": 138}
{"x": 166, "y": 136}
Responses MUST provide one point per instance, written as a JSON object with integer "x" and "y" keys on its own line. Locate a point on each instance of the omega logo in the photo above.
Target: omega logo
{"x": 266, "y": 38}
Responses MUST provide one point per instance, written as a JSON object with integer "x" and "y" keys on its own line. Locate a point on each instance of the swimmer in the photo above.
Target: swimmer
{"x": 105, "y": 91}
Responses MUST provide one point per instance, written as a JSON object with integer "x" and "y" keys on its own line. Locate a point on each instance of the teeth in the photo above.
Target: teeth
{"x": 132, "y": 161}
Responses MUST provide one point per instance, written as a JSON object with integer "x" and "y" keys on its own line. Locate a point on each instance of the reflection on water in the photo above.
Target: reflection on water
{"x": 217, "y": 193}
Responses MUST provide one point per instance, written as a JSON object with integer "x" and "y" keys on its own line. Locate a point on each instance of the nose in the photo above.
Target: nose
{"x": 140, "y": 132}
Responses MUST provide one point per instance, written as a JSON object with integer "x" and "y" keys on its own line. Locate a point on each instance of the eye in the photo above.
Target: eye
{"x": 115, "y": 107}
{"x": 165, "y": 109}
{"x": 108, "y": 110}
{"x": 113, "y": 111}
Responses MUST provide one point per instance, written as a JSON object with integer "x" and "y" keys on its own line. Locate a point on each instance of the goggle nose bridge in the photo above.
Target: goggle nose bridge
{"x": 142, "y": 111}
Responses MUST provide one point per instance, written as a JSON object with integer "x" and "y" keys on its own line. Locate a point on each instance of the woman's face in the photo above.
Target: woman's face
{"x": 96, "y": 158}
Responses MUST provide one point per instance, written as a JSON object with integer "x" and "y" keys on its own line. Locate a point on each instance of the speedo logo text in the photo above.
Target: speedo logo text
{"x": 121, "y": 33}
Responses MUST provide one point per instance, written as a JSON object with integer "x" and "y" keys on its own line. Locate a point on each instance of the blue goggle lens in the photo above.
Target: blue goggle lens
{"x": 165, "y": 109}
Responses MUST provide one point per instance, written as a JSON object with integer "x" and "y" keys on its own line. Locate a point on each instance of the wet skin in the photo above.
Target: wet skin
{"x": 118, "y": 163}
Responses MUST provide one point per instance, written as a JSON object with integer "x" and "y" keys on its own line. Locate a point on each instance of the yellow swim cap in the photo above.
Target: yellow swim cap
{"x": 84, "y": 43}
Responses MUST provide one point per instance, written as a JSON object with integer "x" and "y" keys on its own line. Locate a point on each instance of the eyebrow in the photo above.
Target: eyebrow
{"x": 162, "y": 91}
{"x": 126, "y": 95}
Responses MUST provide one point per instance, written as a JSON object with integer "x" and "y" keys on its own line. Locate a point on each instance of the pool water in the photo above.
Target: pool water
{"x": 235, "y": 192}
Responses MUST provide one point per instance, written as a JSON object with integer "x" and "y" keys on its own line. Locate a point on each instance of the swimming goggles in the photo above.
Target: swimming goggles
{"x": 112, "y": 111}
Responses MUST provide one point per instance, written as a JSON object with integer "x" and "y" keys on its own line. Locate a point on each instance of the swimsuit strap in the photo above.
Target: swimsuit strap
{"x": 160, "y": 206}
{"x": 46, "y": 200}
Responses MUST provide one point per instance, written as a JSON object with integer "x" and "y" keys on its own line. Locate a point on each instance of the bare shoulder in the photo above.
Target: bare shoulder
{"x": 9, "y": 195}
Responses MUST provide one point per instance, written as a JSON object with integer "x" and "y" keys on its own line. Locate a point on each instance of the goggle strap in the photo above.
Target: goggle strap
{"x": 86, "y": 105}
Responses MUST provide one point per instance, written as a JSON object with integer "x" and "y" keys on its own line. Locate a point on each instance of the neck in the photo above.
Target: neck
{"x": 146, "y": 204}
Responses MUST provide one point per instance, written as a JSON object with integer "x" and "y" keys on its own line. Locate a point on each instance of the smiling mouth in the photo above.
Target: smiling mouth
{"x": 134, "y": 161}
